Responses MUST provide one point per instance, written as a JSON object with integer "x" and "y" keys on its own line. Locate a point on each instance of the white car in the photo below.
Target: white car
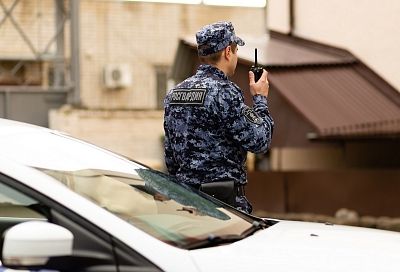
{"x": 67, "y": 205}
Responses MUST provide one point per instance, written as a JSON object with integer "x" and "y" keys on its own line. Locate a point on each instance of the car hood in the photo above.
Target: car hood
{"x": 300, "y": 246}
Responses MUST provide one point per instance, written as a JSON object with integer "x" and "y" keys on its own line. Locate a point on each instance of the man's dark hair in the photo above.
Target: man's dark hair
{"x": 214, "y": 58}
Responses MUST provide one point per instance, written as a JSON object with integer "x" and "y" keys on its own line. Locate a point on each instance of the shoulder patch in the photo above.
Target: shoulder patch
{"x": 188, "y": 96}
{"x": 251, "y": 116}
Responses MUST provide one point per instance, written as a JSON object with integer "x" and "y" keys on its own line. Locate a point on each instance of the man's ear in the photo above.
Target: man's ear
{"x": 227, "y": 52}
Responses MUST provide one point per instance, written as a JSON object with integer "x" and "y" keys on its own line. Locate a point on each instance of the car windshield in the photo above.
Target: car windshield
{"x": 154, "y": 203}
{"x": 147, "y": 199}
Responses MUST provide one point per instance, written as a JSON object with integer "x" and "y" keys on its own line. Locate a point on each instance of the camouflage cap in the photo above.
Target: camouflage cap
{"x": 215, "y": 37}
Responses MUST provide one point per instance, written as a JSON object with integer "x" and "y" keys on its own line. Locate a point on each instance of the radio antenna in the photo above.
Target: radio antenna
{"x": 255, "y": 57}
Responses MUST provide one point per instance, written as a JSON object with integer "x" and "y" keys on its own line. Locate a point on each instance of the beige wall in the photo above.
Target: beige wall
{"x": 278, "y": 15}
{"x": 292, "y": 159}
{"x": 369, "y": 29}
{"x": 136, "y": 134}
{"x": 142, "y": 35}
{"x": 125, "y": 33}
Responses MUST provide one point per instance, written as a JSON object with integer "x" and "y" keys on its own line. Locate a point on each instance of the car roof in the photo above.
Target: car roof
{"x": 50, "y": 149}
{"x": 8, "y": 127}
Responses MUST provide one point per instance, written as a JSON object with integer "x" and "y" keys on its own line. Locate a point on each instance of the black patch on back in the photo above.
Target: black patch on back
{"x": 188, "y": 97}
{"x": 251, "y": 116}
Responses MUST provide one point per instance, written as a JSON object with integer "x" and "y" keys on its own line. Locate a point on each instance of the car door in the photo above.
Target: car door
{"x": 93, "y": 249}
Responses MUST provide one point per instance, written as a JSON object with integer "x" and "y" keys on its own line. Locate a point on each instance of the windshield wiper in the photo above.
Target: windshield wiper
{"x": 256, "y": 226}
{"x": 213, "y": 240}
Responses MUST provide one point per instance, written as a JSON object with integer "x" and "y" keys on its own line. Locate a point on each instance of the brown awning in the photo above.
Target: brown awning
{"x": 338, "y": 101}
{"x": 283, "y": 52}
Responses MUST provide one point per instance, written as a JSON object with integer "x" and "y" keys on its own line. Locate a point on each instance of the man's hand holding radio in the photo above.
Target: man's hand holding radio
{"x": 261, "y": 87}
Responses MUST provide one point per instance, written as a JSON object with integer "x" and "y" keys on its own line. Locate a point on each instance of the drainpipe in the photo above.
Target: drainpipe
{"x": 291, "y": 17}
{"x": 266, "y": 18}
{"x": 59, "y": 56}
{"x": 75, "y": 98}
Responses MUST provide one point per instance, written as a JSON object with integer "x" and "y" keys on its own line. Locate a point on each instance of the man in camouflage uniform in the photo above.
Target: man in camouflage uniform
{"x": 208, "y": 128}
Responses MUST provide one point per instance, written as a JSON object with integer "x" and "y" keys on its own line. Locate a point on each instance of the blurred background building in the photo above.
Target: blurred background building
{"x": 99, "y": 70}
{"x": 124, "y": 50}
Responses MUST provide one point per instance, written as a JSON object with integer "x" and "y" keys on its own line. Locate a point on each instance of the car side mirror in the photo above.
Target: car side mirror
{"x": 32, "y": 243}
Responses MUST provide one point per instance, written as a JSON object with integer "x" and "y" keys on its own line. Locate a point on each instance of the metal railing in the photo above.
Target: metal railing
{"x": 57, "y": 72}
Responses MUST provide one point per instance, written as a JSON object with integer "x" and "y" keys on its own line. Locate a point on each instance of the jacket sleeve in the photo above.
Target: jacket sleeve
{"x": 251, "y": 128}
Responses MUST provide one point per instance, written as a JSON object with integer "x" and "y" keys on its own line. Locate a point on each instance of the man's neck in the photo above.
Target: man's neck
{"x": 221, "y": 67}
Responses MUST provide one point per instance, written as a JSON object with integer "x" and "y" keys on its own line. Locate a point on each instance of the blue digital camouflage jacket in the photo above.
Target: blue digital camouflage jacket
{"x": 209, "y": 129}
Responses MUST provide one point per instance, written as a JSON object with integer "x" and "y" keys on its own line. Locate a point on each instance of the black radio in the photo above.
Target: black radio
{"x": 257, "y": 70}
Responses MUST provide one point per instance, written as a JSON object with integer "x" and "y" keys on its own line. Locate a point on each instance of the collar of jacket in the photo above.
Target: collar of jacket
{"x": 209, "y": 69}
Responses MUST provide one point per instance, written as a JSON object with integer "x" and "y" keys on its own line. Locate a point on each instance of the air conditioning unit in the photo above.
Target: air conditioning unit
{"x": 117, "y": 76}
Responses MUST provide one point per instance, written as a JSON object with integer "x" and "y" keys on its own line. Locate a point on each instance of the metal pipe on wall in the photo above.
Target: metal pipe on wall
{"x": 291, "y": 17}
{"x": 59, "y": 65}
{"x": 75, "y": 98}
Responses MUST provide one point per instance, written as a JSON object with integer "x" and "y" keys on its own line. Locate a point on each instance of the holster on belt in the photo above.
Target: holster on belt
{"x": 225, "y": 191}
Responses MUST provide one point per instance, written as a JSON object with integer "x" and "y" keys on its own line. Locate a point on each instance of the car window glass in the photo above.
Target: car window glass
{"x": 16, "y": 208}
{"x": 16, "y": 204}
